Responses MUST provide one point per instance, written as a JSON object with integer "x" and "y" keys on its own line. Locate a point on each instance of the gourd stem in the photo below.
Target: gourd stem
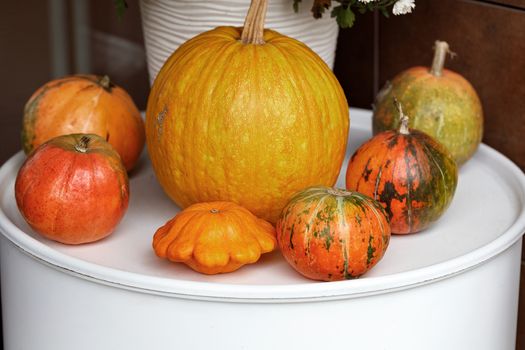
{"x": 403, "y": 118}
{"x": 339, "y": 192}
{"x": 253, "y": 31}
{"x": 441, "y": 49}
{"x": 82, "y": 144}
{"x": 105, "y": 82}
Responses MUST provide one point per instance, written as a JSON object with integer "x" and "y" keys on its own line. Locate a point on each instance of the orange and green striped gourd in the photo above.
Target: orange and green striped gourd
{"x": 412, "y": 175}
{"x": 331, "y": 234}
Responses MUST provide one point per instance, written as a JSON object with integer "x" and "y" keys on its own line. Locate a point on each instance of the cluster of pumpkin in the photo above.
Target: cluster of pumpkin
{"x": 246, "y": 115}
{"x": 247, "y": 130}
{"x": 82, "y": 134}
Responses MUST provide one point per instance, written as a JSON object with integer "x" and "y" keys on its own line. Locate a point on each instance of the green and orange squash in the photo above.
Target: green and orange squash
{"x": 331, "y": 234}
{"x": 214, "y": 237}
{"x": 84, "y": 104}
{"x": 440, "y": 102}
{"x": 411, "y": 174}
{"x": 245, "y": 115}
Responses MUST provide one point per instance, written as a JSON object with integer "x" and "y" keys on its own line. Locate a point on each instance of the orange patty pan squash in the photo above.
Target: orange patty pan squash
{"x": 216, "y": 237}
{"x": 245, "y": 115}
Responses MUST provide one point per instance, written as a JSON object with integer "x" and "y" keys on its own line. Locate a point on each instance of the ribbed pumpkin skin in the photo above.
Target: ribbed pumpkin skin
{"x": 446, "y": 107}
{"x": 80, "y": 104}
{"x": 252, "y": 124}
{"x": 331, "y": 235}
{"x": 70, "y": 196}
{"x": 413, "y": 176}
{"x": 215, "y": 237}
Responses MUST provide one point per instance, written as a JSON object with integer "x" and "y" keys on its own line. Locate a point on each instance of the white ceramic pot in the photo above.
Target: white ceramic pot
{"x": 453, "y": 286}
{"x": 169, "y": 23}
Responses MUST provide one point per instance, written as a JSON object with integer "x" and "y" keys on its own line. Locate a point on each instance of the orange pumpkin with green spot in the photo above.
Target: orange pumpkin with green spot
{"x": 84, "y": 104}
{"x": 411, "y": 174}
{"x": 331, "y": 234}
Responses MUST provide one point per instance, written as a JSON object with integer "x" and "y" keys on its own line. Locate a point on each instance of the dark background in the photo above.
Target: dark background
{"x": 488, "y": 37}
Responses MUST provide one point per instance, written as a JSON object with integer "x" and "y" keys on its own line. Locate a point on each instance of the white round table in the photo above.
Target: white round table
{"x": 452, "y": 286}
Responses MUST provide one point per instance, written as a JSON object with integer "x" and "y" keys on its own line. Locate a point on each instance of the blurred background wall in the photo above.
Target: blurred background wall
{"x": 41, "y": 40}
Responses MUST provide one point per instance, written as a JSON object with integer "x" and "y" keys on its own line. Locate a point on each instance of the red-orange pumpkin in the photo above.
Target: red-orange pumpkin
{"x": 84, "y": 104}
{"x": 331, "y": 234}
{"x": 73, "y": 189}
{"x": 410, "y": 173}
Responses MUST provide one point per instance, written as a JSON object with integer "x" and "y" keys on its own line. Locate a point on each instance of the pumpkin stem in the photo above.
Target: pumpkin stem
{"x": 441, "y": 49}
{"x": 403, "y": 129}
{"x": 338, "y": 192}
{"x": 253, "y": 31}
{"x": 82, "y": 144}
{"x": 106, "y": 83}
{"x": 214, "y": 211}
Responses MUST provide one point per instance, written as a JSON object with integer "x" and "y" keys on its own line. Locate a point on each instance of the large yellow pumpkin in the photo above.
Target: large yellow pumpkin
{"x": 249, "y": 116}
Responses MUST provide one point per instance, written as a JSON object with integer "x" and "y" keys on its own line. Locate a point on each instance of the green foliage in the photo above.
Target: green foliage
{"x": 296, "y": 5}
{"x": 345, "y": 12}
{"x": 120, "y": 6}
{"x": 345, "y": 17}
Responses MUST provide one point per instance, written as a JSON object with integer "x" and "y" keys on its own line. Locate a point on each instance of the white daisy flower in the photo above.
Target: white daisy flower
{"x": 403, "y": 6}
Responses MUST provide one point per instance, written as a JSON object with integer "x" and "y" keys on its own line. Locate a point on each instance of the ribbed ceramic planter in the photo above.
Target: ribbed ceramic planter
{"x": 169, "y": 23}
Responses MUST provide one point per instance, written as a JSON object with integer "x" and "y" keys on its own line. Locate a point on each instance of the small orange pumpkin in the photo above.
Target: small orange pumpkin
{"x": 73, "y": 189}
{"x": 412, "y": 175}
{"x": 84, "y": 104}
{"x": 214, "y": 237}
{"x": 332, "y": 234}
